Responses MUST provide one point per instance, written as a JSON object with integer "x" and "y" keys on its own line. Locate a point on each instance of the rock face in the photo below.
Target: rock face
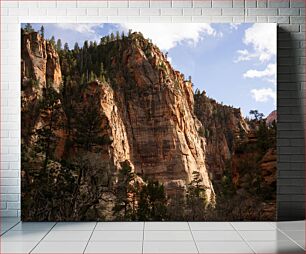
{"x": 271, "y": 117}
{"x": 156, "y": 106}
{"x": 40, "y": 65}
{"x": 223, "y": 128}
{"x": 39, "y": 61}
{"x": 146, "y": 110}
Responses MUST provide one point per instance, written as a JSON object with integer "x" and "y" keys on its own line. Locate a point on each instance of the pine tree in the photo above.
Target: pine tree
{"x": 59, "y": 45}
{"x": 42, "y": 31}
{"x": 126, "y": 192}
{"x": 196, "y": 197}
{"x": 88, "y": 123}
{"x": 46, "y": 138}
{"x": 66, "y": 47}
{"x": 92, "y": 76}
{"x": 52, "y": 41}
{"x": 28, "y": 28}
{"x": 102, "y": 73}
{"x": 76, "y": 47}
{"x": 112, "y": 36}
{"x": 130, "y": 32}
{"x": 117, "y": 35}
{"x": 153, "y": 202}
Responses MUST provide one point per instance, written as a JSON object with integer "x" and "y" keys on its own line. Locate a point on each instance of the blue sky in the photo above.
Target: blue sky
{"x": 234, "y": 63}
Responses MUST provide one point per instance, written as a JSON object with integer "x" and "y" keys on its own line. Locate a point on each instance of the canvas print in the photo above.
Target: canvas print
{"x": 148, "y": 122}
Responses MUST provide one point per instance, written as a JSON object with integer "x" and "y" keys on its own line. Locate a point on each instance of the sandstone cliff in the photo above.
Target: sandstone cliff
{"x": 143, "y": 112}
{"x": 156, "y": 106}
{"x": 39, "y": 61}
{"x": 39, "y": 65}
{"x": 223, "y": 127}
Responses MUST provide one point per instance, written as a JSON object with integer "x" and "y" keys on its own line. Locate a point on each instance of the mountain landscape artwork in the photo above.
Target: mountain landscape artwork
{"x": 148, "y": 122}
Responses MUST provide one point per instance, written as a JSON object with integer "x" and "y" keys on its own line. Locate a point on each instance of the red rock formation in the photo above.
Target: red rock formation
{"x": 223, "y": 128}
{"x": 146, "y": 107}
{"x": 271, "y": 117}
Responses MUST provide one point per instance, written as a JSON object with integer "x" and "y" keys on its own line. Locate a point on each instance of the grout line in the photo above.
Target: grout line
{"x": 247, "y": 243}
{"x": 42, "y": 238}
{"x": 143, "y": 232}
{"x": 290, "y": 238}
{"x": 193, "y": 237}
{"x": 90, "y": 237}
{"x": 10, "y": 228}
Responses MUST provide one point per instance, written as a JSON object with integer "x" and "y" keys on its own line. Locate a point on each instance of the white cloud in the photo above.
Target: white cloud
{"x": 168, "y": 35}
{"x": 268, "y": 74}
{"x": 264, "y": 94}
{"x": 81, "y": 28}
{"x": 262, "y": 39}
{"x": 234, "y": 26}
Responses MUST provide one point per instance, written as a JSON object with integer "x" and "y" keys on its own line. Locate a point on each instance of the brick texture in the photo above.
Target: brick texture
{"x": 290, "y": 14}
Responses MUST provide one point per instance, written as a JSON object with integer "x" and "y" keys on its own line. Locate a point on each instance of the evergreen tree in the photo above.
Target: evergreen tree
{"x": 88, "y": 124}
{"x": 263, "y": 137}
{"x": 59, "y": 45}
{"x": 42, "y": 31}
{"x": 46, "y": 138}
{"x": 92, "y": 76}
{"x": 102, "y": 73}
{"x": 112, "y": 36}
{"x": 76, "y": 47}
{"x": 28, "y": 28}
{"x": 117, "y": 35}
{"x": 66, "y": 47}
{"x": 52, "y": 41}
{"x": 196, "y": 197}
{"x": 130, "y": 32}
{"x": 126, "y": 194}
{"x": 85, "y": 46}
{"x": 258, "y": 116}
{"x": 153, "y": 202}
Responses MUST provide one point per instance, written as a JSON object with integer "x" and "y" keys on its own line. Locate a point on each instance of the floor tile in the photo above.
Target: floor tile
{"x": 166, "y": 226}
{"x": 60, "y": 247}
{"x": 297, "y": 235}
{"x": 101, "y": 236}
{"x": 17, "y": 247}
{"x": 256, "y": 225}
{"x": 114, "y": 247}
{"x": 221, "y": 226}
{"x": 276, "y": 247}
{"x": 168, "y": 236}
{"x": 216, "y": 236}
{"x": 69, "y": 236}
{"x": 33, "y": 226}
{"x": 119, "y": 226}
{"x": 9, "y": 220}
{"x": 291, "y": 225}
{"x": 22, "y": 236}
{"x": 69, "y": 226}
{"x": 223, "y": 247}
{"x": 273, "y": 235}
{"x": 5, "y": 226}
{"x": 169, "y": 247}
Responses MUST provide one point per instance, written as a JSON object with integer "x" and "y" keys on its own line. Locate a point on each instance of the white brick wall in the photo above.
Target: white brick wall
{"x": 289, "y": 13}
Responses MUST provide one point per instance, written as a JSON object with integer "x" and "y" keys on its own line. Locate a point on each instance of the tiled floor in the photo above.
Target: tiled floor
{"x": 152, "y": 237}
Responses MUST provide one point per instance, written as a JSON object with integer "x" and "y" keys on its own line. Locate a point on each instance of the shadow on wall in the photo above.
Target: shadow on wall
{"x": 290, "y": 130}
